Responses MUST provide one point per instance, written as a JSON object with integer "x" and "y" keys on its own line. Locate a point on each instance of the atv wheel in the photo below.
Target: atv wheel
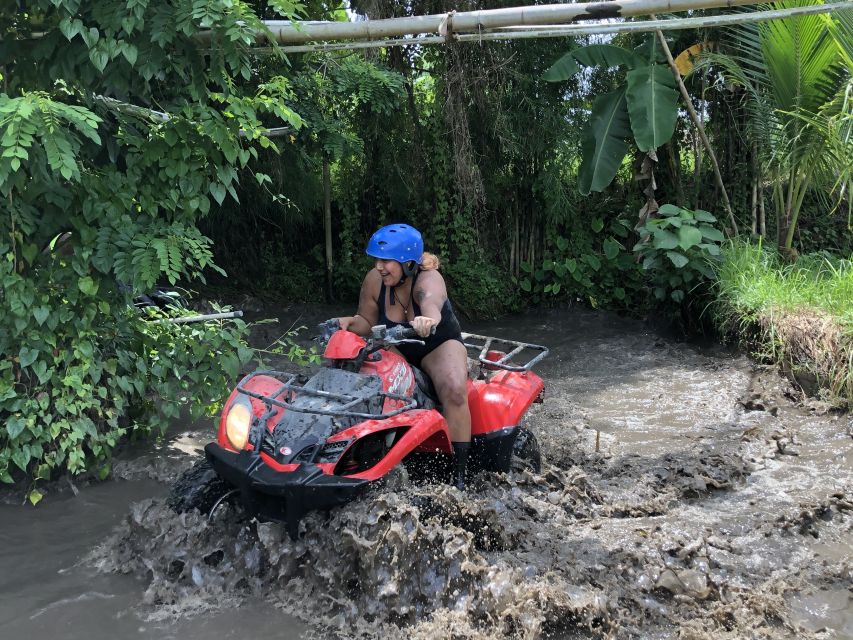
{"x": 525, "y": 452}
{"x": 197, "y": 488}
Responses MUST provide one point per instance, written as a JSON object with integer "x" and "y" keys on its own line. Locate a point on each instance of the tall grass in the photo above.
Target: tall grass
{"x": 752, "y": 280}
{"x": 799, "y": 315}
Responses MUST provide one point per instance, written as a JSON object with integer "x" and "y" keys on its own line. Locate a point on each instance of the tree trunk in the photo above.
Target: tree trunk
{"x": 327, "y": 224}
{"x": 754, "y": 207}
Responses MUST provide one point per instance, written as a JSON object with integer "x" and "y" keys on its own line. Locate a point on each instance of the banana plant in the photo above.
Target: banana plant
{"x": 643, "y": 108}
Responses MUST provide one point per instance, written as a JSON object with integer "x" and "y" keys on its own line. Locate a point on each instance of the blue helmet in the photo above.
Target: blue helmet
{"x": 398, "y": 242}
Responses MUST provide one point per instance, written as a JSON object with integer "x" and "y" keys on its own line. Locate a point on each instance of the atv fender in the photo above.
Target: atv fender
{"x": 502, "y": 400}
{"x": 426, "y": 431}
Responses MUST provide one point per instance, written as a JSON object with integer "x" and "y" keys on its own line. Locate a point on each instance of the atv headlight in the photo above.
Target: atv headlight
{"x": 237, "y": 424}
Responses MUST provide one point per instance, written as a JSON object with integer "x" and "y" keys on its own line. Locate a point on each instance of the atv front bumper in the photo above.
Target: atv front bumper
{"x": 278, "y": 495}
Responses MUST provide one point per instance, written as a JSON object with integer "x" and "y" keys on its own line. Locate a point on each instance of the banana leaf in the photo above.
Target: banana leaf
{"x": 607, "y": 55}
{"x": 603, "y": 146}
{"x": 652, "y": 105}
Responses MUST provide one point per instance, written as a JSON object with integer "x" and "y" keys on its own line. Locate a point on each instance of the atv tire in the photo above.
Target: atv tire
{"x": 525, "y": 452}
{"x": 197, "y": 488}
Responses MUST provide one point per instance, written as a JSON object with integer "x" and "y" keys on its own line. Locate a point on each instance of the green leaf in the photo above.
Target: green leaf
{"x": 129, "y": 52}
{"x": 35, "y": 496}
{"x": 41, "y": 370}
{"x": 703, "y": 216}
{"x": 597, "y": 225}
{"x": 70, "y": 28}
{"x": 619, "y": 293}
{"x": 607, "y": 55}
{"x": 592, "y": 261}
{"x": 88, "y": 286}
{"x": 526, "y": 286}
{"x": 711, "y": 233}
{"x": 41, "y": 314}
{"x": 664, "y": 239}
{"x": 218, "y": 191}
{"x": 611, "y": 248}
{"x": 21, "y": 458}
{"x": 652, "y": 105}
{"x": 27, "y": 356}
{"x": 561, "y": 70}
{"x": 99, "y": 58}
{"x": 667, "y": 210}
{"x": 230, "y": 364}
{"x": 14, "y": 426}
{"x": 604, "y": 145}
{"x": 677, "y": 259}
{"x": 689, "y": 237}
{"x": 556, "y": 288}
{"x": 90, "y": 36}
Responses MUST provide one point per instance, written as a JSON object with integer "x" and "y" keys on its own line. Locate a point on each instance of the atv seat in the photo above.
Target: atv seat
{"x": 425, "y": 392}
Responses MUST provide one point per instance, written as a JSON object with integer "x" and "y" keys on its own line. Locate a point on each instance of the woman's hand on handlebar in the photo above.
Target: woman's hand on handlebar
{"x": 424, "y": 325}
{"x": 356, "y": 324}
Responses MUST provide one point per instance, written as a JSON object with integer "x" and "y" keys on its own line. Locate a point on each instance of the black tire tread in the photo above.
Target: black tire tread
{"x": 199, "y": 487}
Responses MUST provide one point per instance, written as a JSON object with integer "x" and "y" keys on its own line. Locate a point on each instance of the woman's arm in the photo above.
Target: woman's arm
{"x": 368, "y": 311}
{"x": 430, "y": 295}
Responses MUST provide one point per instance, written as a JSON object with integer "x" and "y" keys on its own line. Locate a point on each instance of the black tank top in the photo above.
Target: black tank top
{"x": 447, "y": 329}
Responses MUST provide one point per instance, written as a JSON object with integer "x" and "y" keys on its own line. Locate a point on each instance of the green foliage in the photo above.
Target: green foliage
{"x": 288, "y": 345}
{"x": 124, "y": 186}
{"x": 604, "y": 274}
{"x": 678, "y": 250}
{"x": 795, "y": 78}
{"x": 645, "y": 107}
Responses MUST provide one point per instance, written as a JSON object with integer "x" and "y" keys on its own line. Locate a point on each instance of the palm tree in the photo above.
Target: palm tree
{"x": 796, "y": 73}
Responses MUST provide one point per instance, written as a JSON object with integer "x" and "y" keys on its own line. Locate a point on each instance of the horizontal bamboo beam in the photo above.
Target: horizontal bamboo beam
{"x": 288, "y": 32}
{"x": 518, "y": 32}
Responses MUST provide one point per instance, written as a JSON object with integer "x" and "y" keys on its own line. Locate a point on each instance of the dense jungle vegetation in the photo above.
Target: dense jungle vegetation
{"x": 541, "y": 171}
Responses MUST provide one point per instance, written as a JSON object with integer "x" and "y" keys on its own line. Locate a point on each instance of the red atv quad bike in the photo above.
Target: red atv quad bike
{"x": 289, "y": 444}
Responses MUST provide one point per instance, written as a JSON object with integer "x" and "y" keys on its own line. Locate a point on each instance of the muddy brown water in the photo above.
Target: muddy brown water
{"x": 686, "y": 493}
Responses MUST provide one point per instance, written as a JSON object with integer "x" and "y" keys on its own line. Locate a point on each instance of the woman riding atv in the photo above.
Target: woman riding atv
{"x": 405, "y": 288}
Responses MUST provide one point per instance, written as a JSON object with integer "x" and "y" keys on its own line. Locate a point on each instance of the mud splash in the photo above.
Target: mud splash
{"x": 686, "y": 494}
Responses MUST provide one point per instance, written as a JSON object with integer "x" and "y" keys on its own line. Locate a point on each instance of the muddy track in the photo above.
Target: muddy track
{"x": 686, "y": 493}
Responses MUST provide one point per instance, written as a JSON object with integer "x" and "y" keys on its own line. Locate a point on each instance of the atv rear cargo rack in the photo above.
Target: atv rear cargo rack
{"x": 487, "y": 343}
{"x": 291, "y": 388}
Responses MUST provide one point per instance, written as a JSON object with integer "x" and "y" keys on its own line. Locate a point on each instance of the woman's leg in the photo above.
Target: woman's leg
{"x": 447, "y": 366}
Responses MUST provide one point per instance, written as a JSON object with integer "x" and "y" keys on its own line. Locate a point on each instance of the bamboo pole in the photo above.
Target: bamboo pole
{"x": 521, "y": 32}
{"x": 287, "y": 31}
{"x": 162, "y": 116}
{"x": 701, "y": 129}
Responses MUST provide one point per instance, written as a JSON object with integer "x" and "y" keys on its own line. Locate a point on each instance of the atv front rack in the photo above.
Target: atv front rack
{"x": 488, "y": 344}
{"x": 290, "y": 388}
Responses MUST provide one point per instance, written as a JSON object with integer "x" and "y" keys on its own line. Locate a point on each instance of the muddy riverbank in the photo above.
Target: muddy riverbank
{"x": 686, "y": 494}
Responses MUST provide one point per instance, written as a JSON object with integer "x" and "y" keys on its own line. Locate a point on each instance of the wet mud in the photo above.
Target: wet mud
{"x": 685, "y": 493}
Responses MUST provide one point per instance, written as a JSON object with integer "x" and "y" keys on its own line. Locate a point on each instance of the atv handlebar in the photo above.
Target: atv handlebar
{"x": 327, "y": 328}
{"x": 380, "y": 335}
